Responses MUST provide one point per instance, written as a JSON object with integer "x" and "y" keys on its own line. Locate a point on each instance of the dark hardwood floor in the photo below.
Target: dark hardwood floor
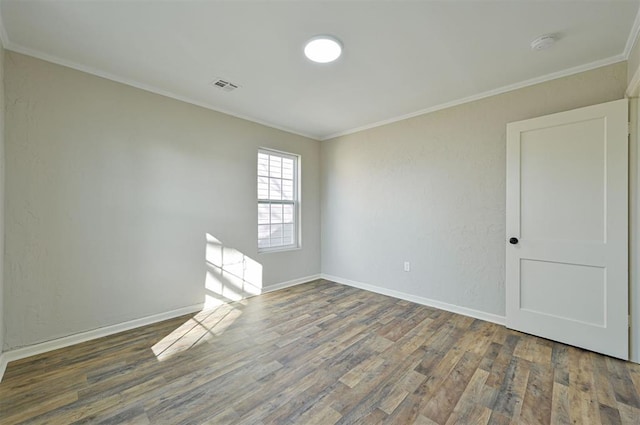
{"x": 321, "y": 353}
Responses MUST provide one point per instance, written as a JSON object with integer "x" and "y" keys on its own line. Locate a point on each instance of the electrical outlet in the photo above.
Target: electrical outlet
{"x": 407, "y": 266}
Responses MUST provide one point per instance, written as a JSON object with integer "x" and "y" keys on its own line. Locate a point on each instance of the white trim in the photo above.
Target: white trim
{"x": 500, "y": 90}
{"x": 54, "y": 344}
{"x": 289, "y": 283}
{"x": 142, "y": 86}
{"x": 552, "y": 76}
{"x": 633, "y": 89}
{"x": 295, "y": 202}
{"x": 4, "y": 38}
{"x": 3, "y": 364}
{"x": 633, "y": 35}
{"x": 465, "y": 311}
{"x": 279, "y": 249}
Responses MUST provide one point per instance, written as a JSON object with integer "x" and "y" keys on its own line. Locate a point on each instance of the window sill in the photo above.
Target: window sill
{"x": 283, "y": 249}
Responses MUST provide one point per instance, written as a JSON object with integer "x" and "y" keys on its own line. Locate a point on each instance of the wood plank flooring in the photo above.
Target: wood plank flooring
{"x": 321, "y": 353}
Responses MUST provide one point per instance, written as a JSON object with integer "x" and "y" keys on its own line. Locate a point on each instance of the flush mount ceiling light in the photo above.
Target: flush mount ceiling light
{"x": 323, "y": 49}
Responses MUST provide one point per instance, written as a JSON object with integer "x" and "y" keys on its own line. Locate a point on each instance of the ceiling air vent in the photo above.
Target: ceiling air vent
{"x": 223, "y": 84}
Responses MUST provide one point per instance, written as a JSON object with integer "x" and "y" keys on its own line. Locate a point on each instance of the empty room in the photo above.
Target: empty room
{"x": 319, "y": 212}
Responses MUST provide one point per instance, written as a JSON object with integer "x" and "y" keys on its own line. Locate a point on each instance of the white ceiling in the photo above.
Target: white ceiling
{"x": 400, "y": 57}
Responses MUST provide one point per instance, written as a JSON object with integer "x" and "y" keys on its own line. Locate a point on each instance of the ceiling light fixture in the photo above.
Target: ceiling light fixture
{"x": 323, "y": 49}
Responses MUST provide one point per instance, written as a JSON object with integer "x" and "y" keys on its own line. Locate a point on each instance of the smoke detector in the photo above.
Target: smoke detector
{"x": 543, "y": 42}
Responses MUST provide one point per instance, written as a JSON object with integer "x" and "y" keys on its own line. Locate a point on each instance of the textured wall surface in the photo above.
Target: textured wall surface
{"x": 111, "y": 193}
{"x": 431, "y": 190}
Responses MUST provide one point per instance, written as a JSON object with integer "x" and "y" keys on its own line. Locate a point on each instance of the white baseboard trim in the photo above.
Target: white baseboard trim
{"x": 54, "y": 344}
{"x": 476, "y": 314}
{"x": 289, "y": 283}
{"x": 3, "y": 365}
{"x": 66, "y": 341}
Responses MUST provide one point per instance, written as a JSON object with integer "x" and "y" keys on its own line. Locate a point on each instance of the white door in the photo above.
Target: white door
{"x": 566, "y": 270}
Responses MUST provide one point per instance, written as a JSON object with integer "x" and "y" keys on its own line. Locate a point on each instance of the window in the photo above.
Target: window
{"x": 277, "y": 200}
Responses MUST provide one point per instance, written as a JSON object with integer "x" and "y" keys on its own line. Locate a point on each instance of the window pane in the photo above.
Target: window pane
{"x": 276, "y": 213}
{"x": 287, "y": 168}
{"x": 263, "y": 188}
{"x": 275, "y": 189}
{"x": 264, "y": 231}
{"x": 263, "y": 164}
{"x": 287, "y": 233}
{"x": 287, "y": 190}
{"x": 276, "y": 235}
{"x": 263, "y": 213}
{"x": 276, "y": 230}
{"x": 275, "y": 166}
{"x": 287, "y": 213}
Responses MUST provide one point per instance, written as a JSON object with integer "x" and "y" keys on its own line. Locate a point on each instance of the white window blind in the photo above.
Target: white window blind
{"x": 277, "y": 200}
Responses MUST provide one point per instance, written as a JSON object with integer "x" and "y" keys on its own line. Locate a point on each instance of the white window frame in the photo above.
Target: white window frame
{"x": 295, "y": 202}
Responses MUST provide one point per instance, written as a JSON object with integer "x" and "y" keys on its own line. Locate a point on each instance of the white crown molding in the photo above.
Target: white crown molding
{"x": 494, "y": 92}
{"x": 152, "y": 89}
{"x": 633, "y": 36}
{"x": 631, "y": 40}
{"x": 465, "y": 311}
{"x": 142, "y": 86}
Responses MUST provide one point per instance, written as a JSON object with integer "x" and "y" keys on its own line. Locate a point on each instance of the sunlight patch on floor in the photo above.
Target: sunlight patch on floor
{"x": 204, "y": 327}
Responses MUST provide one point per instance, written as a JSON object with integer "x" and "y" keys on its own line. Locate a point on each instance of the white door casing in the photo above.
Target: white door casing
{"x": 567, "y": 275}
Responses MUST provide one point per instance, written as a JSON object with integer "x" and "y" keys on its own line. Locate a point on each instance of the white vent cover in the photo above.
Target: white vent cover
{"x": 223, "y": 84}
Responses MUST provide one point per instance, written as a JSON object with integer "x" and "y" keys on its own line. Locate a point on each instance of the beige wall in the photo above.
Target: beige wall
{"x": 111, "y": 192}
{"x": 431, "y": 190}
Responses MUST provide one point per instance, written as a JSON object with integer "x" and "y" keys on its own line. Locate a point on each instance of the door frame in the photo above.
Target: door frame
{"x": 634, "y": 223}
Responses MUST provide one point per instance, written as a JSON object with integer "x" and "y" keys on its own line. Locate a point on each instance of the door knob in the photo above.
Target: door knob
{"x": 513, "y": 241}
